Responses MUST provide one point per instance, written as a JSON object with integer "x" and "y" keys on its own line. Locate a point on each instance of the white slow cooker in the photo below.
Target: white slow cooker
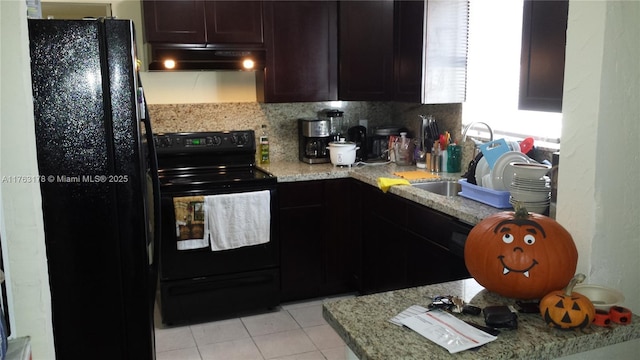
{"x": 342, "y": 152}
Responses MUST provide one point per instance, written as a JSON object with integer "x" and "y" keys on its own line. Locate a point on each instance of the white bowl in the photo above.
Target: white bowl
{"x": 602, "y": 297}
{"x": 529, "y": 170}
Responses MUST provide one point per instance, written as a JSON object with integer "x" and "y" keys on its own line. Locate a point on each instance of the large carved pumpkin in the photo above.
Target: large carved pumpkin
{"x": 520, "y": 255}
{"x": 565, "y": 309}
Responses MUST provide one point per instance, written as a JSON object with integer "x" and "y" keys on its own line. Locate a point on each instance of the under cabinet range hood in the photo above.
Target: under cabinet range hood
{"x": 205, "y": 58}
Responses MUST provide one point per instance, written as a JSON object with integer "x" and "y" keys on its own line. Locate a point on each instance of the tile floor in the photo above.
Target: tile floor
{"x": 292, "y": 331}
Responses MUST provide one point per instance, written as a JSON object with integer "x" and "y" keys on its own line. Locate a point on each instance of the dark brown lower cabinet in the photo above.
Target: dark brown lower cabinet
{"x": 405, "y": 244}
{"x": 342, "y": 235}
{"x": 384, "y": 241}
{"x": 319, "y": 243}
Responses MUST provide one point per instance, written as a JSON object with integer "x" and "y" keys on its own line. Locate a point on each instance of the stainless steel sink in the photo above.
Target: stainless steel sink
{"x": 444, "y": 188}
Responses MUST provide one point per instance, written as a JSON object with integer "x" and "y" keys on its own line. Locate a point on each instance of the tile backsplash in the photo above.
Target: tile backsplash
{"x": 281, "y": 119}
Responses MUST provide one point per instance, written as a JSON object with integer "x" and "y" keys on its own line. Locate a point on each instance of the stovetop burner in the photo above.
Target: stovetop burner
{"x": 200, "y": 176}
{"x": 201, "y": 159}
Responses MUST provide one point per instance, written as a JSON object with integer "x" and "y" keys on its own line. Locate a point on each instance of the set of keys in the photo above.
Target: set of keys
{"x": 454, "y": 304}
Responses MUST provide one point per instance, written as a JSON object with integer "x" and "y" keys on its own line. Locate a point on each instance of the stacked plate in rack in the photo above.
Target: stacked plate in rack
{"x": 530, "y": 186}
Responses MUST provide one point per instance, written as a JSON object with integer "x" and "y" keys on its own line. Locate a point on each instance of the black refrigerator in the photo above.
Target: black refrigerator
{"x": 98, "y": 180}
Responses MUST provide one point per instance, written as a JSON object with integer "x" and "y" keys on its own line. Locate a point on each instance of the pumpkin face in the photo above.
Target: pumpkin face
{"x": 565, "y": 309}
{"x": 520, "y": 255}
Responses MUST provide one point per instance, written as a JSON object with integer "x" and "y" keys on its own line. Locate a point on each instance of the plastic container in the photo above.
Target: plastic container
{"x": 454, "y": 161}
{"x": 336, "y": 119}
{"x": 495, "y": 198}
{"x": 404, "y": 150}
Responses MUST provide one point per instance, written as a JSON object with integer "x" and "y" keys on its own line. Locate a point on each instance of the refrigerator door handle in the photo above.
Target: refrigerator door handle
{"x": 155, "y": 182}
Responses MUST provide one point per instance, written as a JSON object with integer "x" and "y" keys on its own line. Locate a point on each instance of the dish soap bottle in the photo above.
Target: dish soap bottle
{"x": 264, "y": 146}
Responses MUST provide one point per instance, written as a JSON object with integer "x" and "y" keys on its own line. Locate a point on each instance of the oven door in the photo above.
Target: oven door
{"x": 182, "y": 256}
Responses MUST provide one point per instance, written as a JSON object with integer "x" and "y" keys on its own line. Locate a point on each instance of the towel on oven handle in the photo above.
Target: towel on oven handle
{"x": 238, "y": 219}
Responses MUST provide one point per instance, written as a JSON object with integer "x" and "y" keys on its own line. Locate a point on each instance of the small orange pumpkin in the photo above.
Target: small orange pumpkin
{"x": 520, "y": 255}
{"x": 565, "y": 309}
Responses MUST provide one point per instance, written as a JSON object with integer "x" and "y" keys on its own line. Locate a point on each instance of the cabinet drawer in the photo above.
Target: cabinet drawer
{"x": 303, "y": 193}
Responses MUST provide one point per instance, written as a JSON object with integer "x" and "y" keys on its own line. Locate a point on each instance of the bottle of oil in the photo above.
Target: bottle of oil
{"x": 264, "y": 146}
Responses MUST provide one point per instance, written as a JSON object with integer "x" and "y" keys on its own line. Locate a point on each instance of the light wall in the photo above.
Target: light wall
{"x": 21, "y": 208}
{"x": 598, "y": 187}
{"x": 194, "y": 87}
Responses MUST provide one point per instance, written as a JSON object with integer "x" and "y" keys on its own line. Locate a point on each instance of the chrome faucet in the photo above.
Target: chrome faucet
{"x": 466, "y": 128}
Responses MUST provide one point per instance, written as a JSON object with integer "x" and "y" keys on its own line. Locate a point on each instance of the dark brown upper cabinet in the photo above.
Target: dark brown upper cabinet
{"x": 409, "y": 44}
{"x": 381, "y": 46}
{"x": 174, "y": 21}
{"x": 203, "y": 22}
{"x": 366, "y": 50}
{"x": 301, "y": 41}
{"x": 403, "y": 50}
{"x": 544, "y": 28}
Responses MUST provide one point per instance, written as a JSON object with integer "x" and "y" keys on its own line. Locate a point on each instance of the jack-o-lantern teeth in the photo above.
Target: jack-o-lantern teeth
{"x": 506, "y": 270}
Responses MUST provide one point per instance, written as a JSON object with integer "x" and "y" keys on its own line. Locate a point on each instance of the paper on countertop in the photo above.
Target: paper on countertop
{"x": 443, "y": 329}
{"x": 416, "y": 175}
{"x": 412, "y": 310}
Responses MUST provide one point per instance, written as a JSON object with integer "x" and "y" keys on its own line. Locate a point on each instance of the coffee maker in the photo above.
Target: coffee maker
{"x": 358, "y": 134}
{"x": 314, "y": 136}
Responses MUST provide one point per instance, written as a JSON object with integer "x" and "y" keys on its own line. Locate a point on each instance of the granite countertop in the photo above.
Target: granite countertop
{"x": 363, "y": 324}
{"x": 466, "y": 210}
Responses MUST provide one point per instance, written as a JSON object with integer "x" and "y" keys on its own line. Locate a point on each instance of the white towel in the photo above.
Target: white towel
{"x": 237, "y": 220}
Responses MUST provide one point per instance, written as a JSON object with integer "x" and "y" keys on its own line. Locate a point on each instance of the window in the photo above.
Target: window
{"x": 493, "y": 74}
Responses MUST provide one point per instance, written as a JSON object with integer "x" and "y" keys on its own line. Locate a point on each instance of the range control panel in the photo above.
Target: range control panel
{"x": 241, "y": 140}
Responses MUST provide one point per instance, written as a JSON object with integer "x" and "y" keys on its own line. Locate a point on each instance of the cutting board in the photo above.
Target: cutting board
{"x": 493, "y": 150}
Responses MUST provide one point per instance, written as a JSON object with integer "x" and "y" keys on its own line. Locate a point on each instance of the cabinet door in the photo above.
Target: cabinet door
{"x": 319, "y": 254}
{"x": 384, "y": 255}
{"x": 234, "y": 22}
{"x": 384, "y": 241}
{"x": 301, "y": 41}
{"x": 366, "y": 50}
{"x": 409, "y": 43}
{"x": 340, "y": 253}
{"x": 178, "y": 21}
{"x": 427, "y": 263}
{"x": 301, "y": 215}
{"x": 544, "y": 27}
